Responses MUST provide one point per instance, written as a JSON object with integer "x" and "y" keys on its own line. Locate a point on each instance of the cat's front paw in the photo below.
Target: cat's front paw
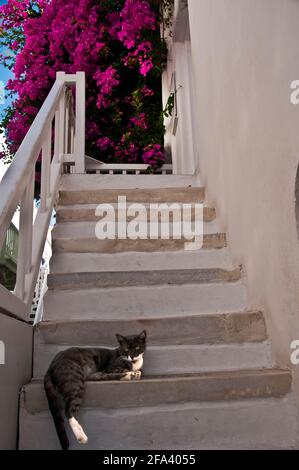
{"x": 132, "y": 375}
{"x": 136, "y": 375}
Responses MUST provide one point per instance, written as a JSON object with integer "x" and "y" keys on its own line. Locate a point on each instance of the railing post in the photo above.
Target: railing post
{"x": 60, "y": 127}
{"x": 72, "y": 137}
{"x": 24, "y": 264}
{"x": 45, "y": 176}
{"x": 56, "y": 137}
{"x": 72, "y": 122}
{"x": 67, "y": 122}
{"x": 80, "y": 123}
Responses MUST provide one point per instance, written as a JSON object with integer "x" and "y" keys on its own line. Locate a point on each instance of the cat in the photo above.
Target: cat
{"x": 65, "y": 379}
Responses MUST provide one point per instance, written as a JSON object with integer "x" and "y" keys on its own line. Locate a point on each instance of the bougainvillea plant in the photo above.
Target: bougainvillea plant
{"x": 116, "y": 43}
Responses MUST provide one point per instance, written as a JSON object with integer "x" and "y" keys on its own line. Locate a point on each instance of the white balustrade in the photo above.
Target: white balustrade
{"x": 56, "y": 123}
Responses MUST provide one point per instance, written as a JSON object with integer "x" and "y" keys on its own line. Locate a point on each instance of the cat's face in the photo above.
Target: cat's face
{"x": 133, "y": 346}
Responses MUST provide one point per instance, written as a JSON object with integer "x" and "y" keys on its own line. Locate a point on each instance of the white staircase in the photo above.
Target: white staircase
{"x": 210, "y": 381}
{"x": 209, "y": 377}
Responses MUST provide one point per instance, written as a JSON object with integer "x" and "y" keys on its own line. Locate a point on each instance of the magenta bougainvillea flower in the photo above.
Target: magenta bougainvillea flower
{"x": 153, "y": 155}
{"x": 116, "y": 43}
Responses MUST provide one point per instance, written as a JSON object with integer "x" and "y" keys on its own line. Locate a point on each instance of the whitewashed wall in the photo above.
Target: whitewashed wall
{"x": 245, "y": 54}
{"x": 181, "y": 135}
{"x": 17, "y": 339}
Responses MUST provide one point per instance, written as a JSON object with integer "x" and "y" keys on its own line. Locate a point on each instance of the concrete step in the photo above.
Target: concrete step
{"x": 142, "y": 302}
{"x": 141, "y": 278}
{"x": 220, "y": 410}
{"x": 87, "y": 212}
{"x": 80, "y": 237}
{"x": 180, "y": 359}
{"x": 91, "y": 182}
{"x": 87, "y": 229}
{"x": 89, "y": 245}
{"x": 109, "y": 196}
{"x": 151, "y": 391}
{"x": 63, "y": 263}
{"x": 189, "y": 329}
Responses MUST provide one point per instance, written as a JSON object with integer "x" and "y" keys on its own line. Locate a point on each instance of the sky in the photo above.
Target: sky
{"x": 4, "y": 75}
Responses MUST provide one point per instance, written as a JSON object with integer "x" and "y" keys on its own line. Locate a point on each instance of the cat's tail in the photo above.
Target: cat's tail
{"x": 56, "y": 409}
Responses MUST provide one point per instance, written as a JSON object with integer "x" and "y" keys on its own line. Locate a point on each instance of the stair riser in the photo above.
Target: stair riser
{"x": 259, "y": 424}
{"x": 93, "y": 182}
{"x": 201, "y": 329}
{"x": 73, "y": 214}
{"x": 110, "y": 196}
{"x": 142, "y": 302}
{"x": 87, "y": 245}
{"x": 103, "y": 262}
{"x": 90, "y": 230}
{"x": 149, "y": 278}
{"x": 171, "y": 360}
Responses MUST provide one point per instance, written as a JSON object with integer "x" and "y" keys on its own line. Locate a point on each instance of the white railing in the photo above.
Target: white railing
{"x": 96, "y": 166}
{"x": 57, "y": 130}
{"x": 40, "y": 290}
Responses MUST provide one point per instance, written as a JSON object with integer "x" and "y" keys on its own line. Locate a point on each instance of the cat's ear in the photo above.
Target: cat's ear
{"x": 120, "y": 338}
{"x": 143, "y": 335}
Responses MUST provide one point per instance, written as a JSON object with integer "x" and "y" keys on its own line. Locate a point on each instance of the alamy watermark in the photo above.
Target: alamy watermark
{"x": 2, "y": 353}
{"x": 151, "y": 221}
{"x": 294, "y": 358}
{"x": 294, "y": 96}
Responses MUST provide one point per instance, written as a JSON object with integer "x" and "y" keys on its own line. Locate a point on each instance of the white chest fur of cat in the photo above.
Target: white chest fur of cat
{"x": 137, "y": 362}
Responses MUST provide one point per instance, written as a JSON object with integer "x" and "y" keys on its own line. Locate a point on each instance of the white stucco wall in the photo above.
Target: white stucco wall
{"x": 245, "y": 54}
{"x": 181, "y": 135}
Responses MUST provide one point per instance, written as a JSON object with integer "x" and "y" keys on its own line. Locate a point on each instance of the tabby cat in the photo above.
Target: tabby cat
{"x": 65, "y": 379}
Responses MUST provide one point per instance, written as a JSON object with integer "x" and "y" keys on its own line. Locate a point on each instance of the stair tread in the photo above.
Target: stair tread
{"x": 86, "y": 229}
{"x": 267, "y": 372}
{"x": 149, "y": 391}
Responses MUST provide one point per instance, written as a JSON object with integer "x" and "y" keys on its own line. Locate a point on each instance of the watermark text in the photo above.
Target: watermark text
{"x": 294, "y": 358}
{"x": 152, "y": 221}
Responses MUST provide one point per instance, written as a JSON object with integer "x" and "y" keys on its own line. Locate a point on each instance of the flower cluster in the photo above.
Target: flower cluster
{"x": 153, "y": 155}
{"x": 135, "y": 16}
{"x": 116, "y": 43}
{"x": 106, "y": 81}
